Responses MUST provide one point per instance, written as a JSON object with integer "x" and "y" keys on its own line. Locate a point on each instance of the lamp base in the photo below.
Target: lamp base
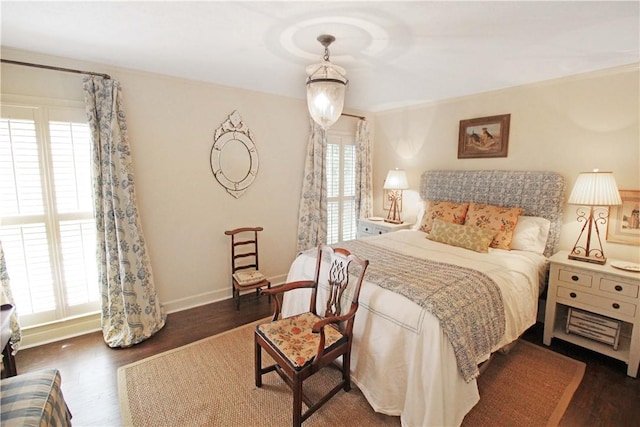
{"x": 394, "y": 215}
{"x": 393, "y": 221}
{"x": 590, "y": 259}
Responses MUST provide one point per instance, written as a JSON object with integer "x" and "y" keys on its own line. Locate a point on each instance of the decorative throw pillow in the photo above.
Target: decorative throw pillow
{"x": 498, "y": 218}
{"x": 464, "y": 236}
{"x": 444, "y": 211}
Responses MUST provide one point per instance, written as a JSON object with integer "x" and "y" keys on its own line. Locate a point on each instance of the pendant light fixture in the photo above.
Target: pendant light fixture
{"x": 326, "y": 87}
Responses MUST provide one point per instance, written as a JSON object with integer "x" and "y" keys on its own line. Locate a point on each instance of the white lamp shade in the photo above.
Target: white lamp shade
{"x": 326, "y": 88}
{"x": 595, "y": 189}
{"x": 396, "y": 180}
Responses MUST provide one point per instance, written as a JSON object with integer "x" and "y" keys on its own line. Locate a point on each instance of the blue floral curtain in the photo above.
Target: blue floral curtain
{"x": 364, "y": 180}
{"x": 6, "y": 297}
{"x": 131, "y": 311}
{"x": 312, "y": 215}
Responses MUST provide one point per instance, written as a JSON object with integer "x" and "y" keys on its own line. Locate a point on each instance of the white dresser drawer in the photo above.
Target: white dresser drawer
{"x": 577, "y": 277}
{"x": 373, "y": 228}
{"x": 619, "y": 287}
{"x": 596, "y": 306}
{"x": 613, "y": 306}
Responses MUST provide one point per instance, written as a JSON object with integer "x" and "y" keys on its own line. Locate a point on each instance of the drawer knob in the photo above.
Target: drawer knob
{"x": 615, "y": 305}
{"x": 575, "y": 278}
{"x": 618, "y": 288}
{"x": 573, "y": 295}
{"x": 379, "y": 232}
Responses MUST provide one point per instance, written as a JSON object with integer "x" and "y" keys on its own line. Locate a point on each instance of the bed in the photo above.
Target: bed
{"x": 407, "y": 361}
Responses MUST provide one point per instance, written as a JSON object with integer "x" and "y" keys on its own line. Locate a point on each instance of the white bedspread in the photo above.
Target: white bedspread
{"x": 401, "y": 359}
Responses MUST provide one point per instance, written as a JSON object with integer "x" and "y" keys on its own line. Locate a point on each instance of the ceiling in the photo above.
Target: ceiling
{"x": 396, "y": 53}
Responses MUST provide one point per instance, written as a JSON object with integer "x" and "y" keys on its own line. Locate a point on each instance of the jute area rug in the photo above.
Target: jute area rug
{"x": 210, "y": 383}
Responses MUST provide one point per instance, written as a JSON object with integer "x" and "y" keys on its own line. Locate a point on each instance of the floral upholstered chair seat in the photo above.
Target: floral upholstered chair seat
{"x": 294, "y": 338}
{"x": 297, "y": 351}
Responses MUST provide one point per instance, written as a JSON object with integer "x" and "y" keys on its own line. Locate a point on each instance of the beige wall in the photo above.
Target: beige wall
{"x": 184, "y": 210}
{"x": 568, "y": 126}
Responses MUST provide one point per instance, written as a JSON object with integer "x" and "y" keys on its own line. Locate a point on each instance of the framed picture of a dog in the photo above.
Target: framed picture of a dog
{"x": 484, "y": 137}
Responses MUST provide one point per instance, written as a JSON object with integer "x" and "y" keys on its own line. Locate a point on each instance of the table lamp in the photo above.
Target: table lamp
{"x": 396, "y": 181}
{"x": 598, "y": 190}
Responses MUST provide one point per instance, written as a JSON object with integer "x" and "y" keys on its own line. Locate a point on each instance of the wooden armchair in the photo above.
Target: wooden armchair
{"x": 245, "y": 268}
{"x": 303, "y": 344}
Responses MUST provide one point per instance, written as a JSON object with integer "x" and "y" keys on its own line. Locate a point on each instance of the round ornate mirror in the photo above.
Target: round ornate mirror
{"x": 234, "y": 158}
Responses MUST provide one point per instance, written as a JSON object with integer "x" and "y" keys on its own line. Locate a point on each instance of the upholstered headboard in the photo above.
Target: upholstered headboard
{"x": 538, "y": 193}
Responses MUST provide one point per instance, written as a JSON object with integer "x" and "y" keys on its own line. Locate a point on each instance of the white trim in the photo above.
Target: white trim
{"x": 34, "y": 336}
{"x": 15, "y": 100}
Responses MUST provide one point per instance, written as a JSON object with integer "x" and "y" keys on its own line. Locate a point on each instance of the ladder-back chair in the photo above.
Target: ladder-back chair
{"x": 303, "y": 344}
{"x": 245, "y": 268}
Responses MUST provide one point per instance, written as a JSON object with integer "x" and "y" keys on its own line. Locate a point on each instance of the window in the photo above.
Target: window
{"x": 47, "y": 225}
{"x": 341, "y": 187}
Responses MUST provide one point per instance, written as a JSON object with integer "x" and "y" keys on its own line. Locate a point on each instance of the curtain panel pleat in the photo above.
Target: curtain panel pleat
{"x": 131, "y": 311}
{"x": 312, "y": 214}
{"x": 6, "y": 297}
{"x": 364, "y": 179}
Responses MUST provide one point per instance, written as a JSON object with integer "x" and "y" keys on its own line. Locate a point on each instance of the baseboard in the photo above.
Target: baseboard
{"x": 57, "y": 331}
{"x": 33, "y": 336}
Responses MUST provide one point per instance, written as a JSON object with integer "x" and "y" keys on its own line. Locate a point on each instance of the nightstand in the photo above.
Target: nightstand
{"x": 596, "y": 307}
{"x": 367, "y": 227}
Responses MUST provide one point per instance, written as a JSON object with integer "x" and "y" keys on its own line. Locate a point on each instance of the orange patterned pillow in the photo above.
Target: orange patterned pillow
{"x": 444, "y": 211}
{"x": 497, "y": 218}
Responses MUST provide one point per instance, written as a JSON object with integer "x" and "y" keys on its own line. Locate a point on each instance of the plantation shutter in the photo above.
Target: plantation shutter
{"x": 340, "y": 169}
{"x": 46, "y": 211}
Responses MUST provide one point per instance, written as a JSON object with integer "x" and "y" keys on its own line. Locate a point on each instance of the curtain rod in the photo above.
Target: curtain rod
{"x": 49, "y": 67}
{"x": 352, "y": 115}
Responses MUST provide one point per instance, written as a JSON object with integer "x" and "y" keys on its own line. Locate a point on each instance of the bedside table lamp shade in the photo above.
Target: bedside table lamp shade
{"x": 396, "y": 181}
{"x": 593, "y": 189}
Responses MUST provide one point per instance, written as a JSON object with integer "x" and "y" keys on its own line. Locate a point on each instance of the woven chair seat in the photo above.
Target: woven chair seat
{"x": 248, "y": 277}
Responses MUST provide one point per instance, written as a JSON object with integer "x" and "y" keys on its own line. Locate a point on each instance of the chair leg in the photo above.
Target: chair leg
{"x": 258, "y": 363}
{"x": 346, "y": 370}
{"x": 236, "y": 296}
{"x": 297, "y": 402}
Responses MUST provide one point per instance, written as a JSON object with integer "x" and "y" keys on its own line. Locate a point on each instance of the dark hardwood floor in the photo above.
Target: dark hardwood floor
{"x": 606, "y": 396}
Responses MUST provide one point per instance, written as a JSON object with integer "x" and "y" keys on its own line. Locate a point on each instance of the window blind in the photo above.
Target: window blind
{"x": 341, "y": 187}
{"x": 47, "y": 224}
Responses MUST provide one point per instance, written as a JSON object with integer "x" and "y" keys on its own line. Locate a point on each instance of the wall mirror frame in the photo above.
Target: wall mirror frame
{"x": 234, "y": 157}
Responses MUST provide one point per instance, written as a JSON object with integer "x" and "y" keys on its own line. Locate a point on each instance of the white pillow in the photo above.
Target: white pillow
{"x": 422, "y": 208}
{"x": 531, "y": 234}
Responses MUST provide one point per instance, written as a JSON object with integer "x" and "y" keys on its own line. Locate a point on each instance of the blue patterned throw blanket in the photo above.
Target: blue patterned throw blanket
{"x": 468, "y": 303}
